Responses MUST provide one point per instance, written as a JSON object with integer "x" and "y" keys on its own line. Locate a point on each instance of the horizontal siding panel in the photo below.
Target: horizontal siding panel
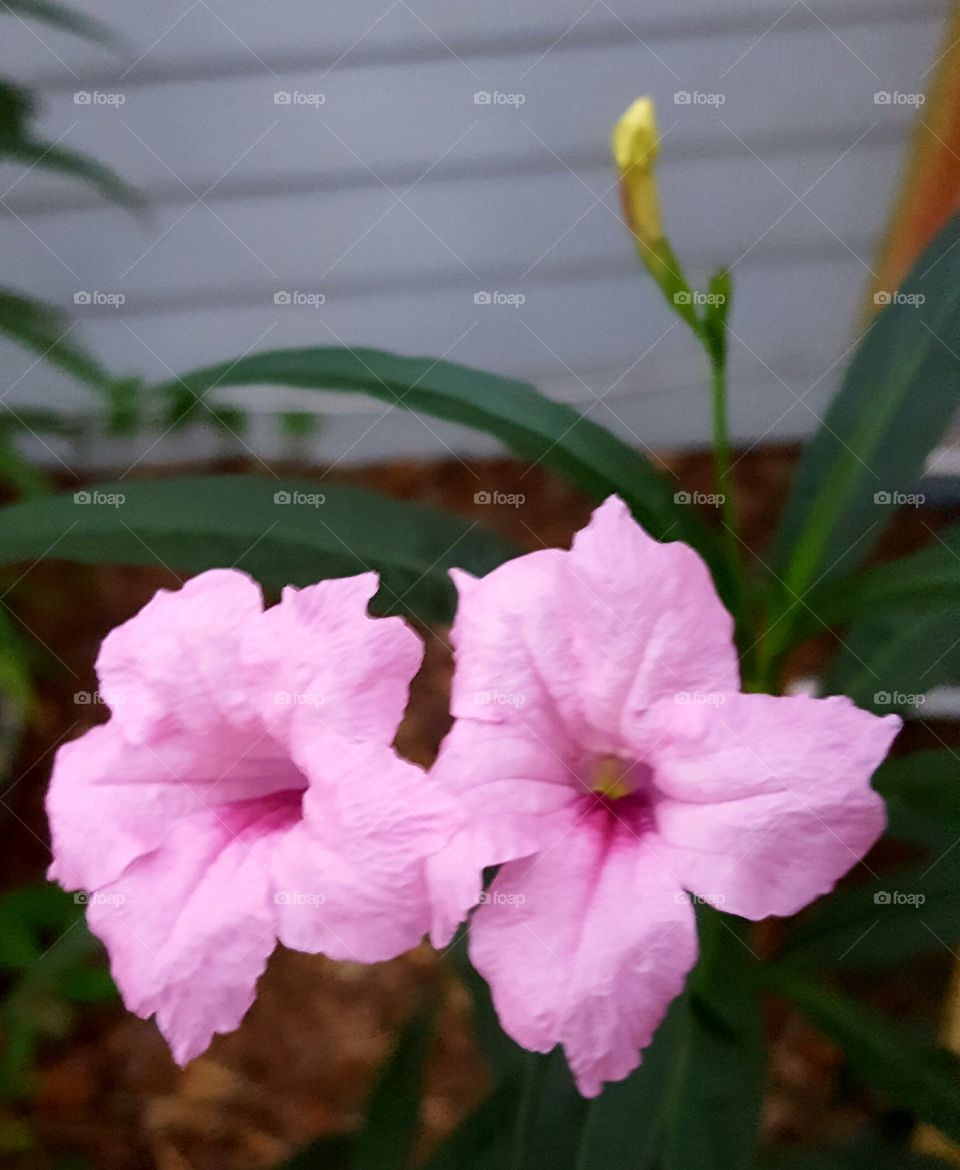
{"x": 230, "y": 130}
{"x": 170, "y": 37}
{"x": 507, "y": 229}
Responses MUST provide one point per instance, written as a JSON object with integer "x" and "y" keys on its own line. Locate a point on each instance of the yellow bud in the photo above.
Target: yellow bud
{"x": 636, "y": 146}
{"x": 636, "y": 142}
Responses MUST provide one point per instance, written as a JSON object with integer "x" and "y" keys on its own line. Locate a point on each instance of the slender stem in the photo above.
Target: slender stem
{"x": 722, "y": 470}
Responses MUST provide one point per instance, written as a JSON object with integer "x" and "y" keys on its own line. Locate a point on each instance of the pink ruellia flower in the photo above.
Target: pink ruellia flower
{"x": 605, "y": 753}
{"x": 243, "y": 791}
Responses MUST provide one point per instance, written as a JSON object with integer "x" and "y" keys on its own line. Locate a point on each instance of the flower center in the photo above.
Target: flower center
{"x": 614, "y": 778}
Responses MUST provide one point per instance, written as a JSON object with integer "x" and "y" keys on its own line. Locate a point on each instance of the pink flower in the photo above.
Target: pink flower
{"x": 606, "y": 755}
{"x": 243, "y": 791}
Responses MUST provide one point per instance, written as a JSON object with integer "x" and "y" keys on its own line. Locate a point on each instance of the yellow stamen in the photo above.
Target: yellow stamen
{"x": 609, "y": 778}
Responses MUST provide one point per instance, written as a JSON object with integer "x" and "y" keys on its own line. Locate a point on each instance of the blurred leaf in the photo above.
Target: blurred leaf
{"x": 550, "y": 1116}
{"x": 902, "y": 1065}
{"x": 43, "y": 330}
{"x": 930, "y": 577}
{"x": 392, "y": 1124}
{"x": 531, "y": 424}
{"x": 16, "y": 110}
{"x": 922, "y": 791}
{"x": 48, "y": 156}
{"x": 867, "y": 1156}
{"x": 280, "y": 531}
{"x": 695, "y": 1101}
{"x": 299, "y": 424}
{"x": 891, "y": 657}
{"x": 60, "y": 16}
{"x": 888, "y": 920}
{"x": 898, "y": 397}
{"x": 483, "y": 1140}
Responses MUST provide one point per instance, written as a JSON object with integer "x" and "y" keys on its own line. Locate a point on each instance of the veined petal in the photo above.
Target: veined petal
{"x": 765, "y": 802}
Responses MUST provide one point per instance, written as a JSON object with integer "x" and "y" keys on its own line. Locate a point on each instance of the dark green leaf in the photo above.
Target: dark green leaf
{"x": 887, "y": 920}
{"x": 392, "y": 1124}
{"x": 280, "y": 531}
{"x": 898, "y": 397}
{"x": 891, "y": 657}
{"x": 60, "y": 16}
{"x": 534, "y": 426}
{"x": 482, "y": 1141}
{"x": 922, "y": 792}
{"x": 46, "y": 332}
{"x": 550, "y": 1116}
{"x": 48, "y": 156}
{"x": 902, "y": 1065}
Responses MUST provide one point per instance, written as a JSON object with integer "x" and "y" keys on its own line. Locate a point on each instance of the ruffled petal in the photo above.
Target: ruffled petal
{"x": 111, "y": 801}
{"x": 173, "y": 668}
{"x": 319, "y": 656}
{"x": 351, "y": 878}
{"x": 190, "y": 926}
{"x": 764, "y": 802}
{"x": 585, "y": 945}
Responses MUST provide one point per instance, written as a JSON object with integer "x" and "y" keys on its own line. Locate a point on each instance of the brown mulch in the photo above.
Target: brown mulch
{"x": 303, "y": 1061}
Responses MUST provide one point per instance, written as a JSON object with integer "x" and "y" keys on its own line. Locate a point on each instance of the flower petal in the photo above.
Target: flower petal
{"x": 190, "y": 926}
{"x": 174, "y": 666}
{"x": 647, "y": 621}
{"x": 585, "y": 945}
{"x": 511, "y": 785}
{"x": 351, "y": 878}
{"x": 112, "y": 800}
{"x": 765, "y": 802}
{"x": 319, "y": 655}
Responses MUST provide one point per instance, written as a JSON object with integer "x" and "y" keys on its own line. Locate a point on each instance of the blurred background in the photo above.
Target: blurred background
{"x": 384, "y": 165}
{"x": 187, "y": 182}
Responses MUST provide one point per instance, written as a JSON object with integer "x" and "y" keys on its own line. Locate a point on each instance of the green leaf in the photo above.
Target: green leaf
{"x": 533, "y": 425}
{"x": 48, "y": 156}
{"x": 898, "y": 397}
{"x": 695, "y": 1100}
{"x": 930, "y": 577}
{"x": 280, "y": 531}
{"x": 922, "y": 791}
{"x": 60, "y": 16}
{"x": 482, "y": 1141}
{"x": 551, "y": 1114}
{"x": 45, "y": 331}
{"x": 880, "y": 923}
{"x": 891, "y": 657}
{"x": 392, "y": 1124}
{"x": 872, "y": 1155}
{"x": 902, "y": 1065}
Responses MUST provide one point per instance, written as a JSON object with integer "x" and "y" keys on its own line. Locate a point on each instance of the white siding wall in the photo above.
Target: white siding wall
{"x": 399, "y": 197}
